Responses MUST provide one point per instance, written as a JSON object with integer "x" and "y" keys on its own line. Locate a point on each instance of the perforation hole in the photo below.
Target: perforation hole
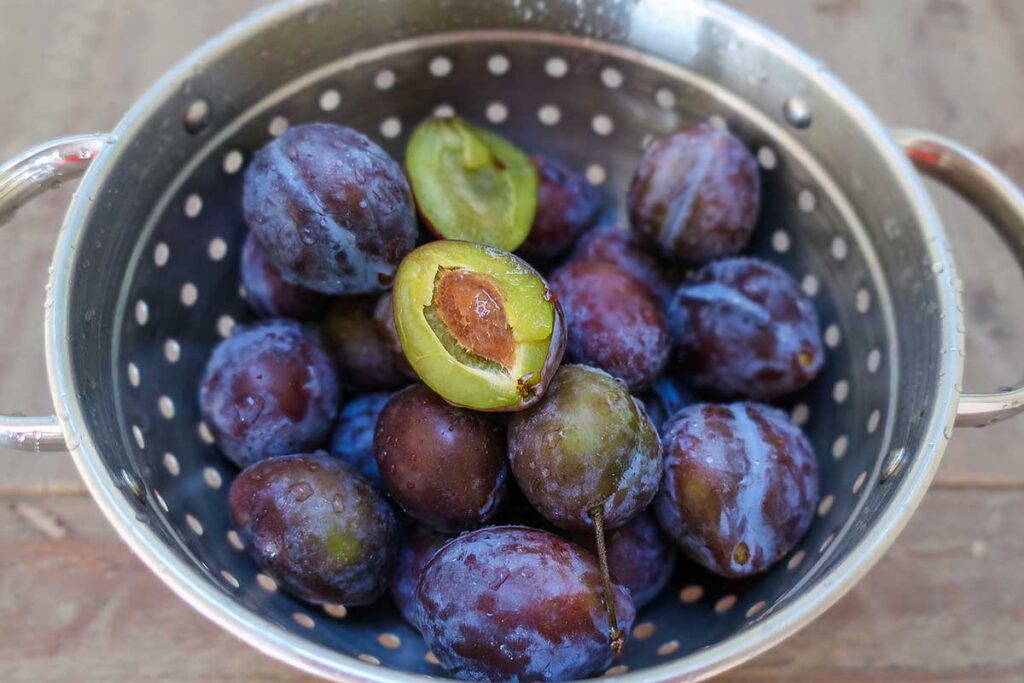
{"x": 277, "y": 126}
{"x": 800, "y": 414}
{"x": 780, "y": 241}
{"x": 189, "y": 294}
{"x": 665, "y": 649}
{"x": 440, "y": 66}
{"x": 444, "y": 111}
{"x": 767, "y": 158}
{"x": 839, "y": 249}
{"x": 873, "y": 421}
{"x": 858, "y": 483}
{"x": 756, "y": 609}
{"x": 863, "y": 300}
{"x": 725, "y": 603}
{"x": 141, "y": 312}
{"x": 197, "y": 116}
{"x": 229, "y": 578}
{"x": 193, "y": 205}
{"x": 833, "y": 336}
{"x": 827, "y": 542}
{"x": 266, "y": 583}
{"x": 549, "y": 115}
{"x": 194, "y": 524}
{"x": 611, "y": 77}
{"x": 825, "y": 506}
{"x": 303, "y": 620}
{"x": 134, "y": 377}
{"x": 497, "y": 112}
{"x": 384, "y": 80}
{"x": 235, "y": 541}
{"x": 160, "y": 501}
{"x": 391, "y": 127}
{"x": 140, "y": 440}
{"x": 225, "y": 324}
{"x": 617, "y": 670}
{"x": 212, "y": 478}
{"x": 841, "y": 391}
{"x": 172, "y": 350}
{"x": 161, "y": 254}
{"x": 556, "y": 67}
{"x": 644, "y": 630}
{"x": 389, "y": 641}
{"x": 369, "y": 659}
{"x": 839, "y": 446}
{"x": 166, "y": 407}
{"x": 336, "y": 611}
{"x": 810, "y": 284}
{"x": 431, "y": 658}
{"x": 796, "y": 560}
{"x": 330, "y": 100}
{"x": 171, "y": 464}
{"x": 874, "y": 360}
{"x": 218, "y": 249}
{"x": 665, "y": 98}
{"x": 233, "y": 161}
{"x": 691, "y": 594}
{"x": 596, "y": 175}
{"x": 603, "y": 124}
{"x": 718, "y": 121}
{"x": 205, "y": 435}
{"x": 806, "y": 201}
{"x": 498, "y": 64}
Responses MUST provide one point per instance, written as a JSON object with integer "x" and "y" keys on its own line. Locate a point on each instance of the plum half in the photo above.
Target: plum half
{"x": 471, "y": 184}
{"x": 478, "y": 325}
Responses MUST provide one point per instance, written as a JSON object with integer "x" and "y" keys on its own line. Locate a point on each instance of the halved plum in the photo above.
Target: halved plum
{"x": 478, "y": 325}
{"x": 471, "y": 184}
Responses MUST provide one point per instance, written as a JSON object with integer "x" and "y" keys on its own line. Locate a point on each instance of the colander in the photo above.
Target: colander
{"x": 144, "y": 280}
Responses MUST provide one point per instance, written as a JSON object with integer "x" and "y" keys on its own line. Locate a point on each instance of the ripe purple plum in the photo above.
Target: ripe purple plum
{"x": 623, "y": 248}
{"x": 418, "y": 546}
{"x": 614, "y": 322}
{"x": 740, "y": 486}
{"x": 696, "y": 195}
{"x": 745, "y": 330}
{"x": 567, "y": 205}
{"x": 352, "y": 440}
{"x": 362, "y": 346}
{"x": 332, "y": 209}
{"x": 516, "y": 604}
{"x": 268, "y": 294}
{"x": 269, "y": 389}
{"x": 444, "y": 466}
{"x": 317, "y": 527}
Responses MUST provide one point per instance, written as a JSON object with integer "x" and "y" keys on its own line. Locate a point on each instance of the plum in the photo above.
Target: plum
{"x": 444, "y": 466}
{"x": 363, "y": 352}
{"x": 471, "y": 184}
{"x": 614, "y": 322}
{"x": 269, "y": 389}
{"x": 567, "y": 205}
{"x": 622, "y": 248}
{"x": 384, "y": 314}
{"x": 417, "y": 547}
{"x": 478, "y": 325}
{"x": 268, "y": 295}
{"x": 696, "y": 195}
{"x": 745, "y": 330}
{"x": 516, "y": 604}
{"x": 352, "y": 440}
{"x": 665, "y": 398}
{"x": 587, "y": 446}
{"x": 315, "y": 526}
{"x": 740, "y": 486}
{"x": 332, "y": 209}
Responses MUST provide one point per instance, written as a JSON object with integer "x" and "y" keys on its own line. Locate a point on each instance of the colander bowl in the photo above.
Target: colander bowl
{"x": 144, "y": 281}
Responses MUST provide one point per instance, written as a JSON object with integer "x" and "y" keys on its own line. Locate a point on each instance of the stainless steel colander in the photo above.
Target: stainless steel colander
{"x": 144, "y": 280}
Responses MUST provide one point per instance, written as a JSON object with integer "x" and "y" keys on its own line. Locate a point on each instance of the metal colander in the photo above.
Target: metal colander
{"x": 145, "y": 280}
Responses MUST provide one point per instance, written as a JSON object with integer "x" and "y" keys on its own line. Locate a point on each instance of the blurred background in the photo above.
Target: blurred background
{"x": 945, "y": 604}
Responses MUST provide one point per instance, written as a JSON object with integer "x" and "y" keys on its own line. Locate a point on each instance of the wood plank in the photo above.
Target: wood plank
{"x": 945, "y": 604}
{"x": 951, "y": 65}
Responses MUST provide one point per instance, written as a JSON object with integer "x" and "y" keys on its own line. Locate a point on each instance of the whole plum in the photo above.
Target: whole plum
{"x": 740, "y": 486}
{"x": 268, "y": 294}
{"x": 516, "y": 604}
{"x": 567, "y": 205}
{"x": 418, "y": 545}
{"x": 352, "y": 440}
{"x": 444, "y": 466}
{"x": 269, "y": 389}
{"x": 614, "y": 322}
{"x": 696, "y": 194}
{"x": 362, "y": 350}
{"x": 745, "y": 330}
{"x": 317, "y": 527}
{"x": 639, "y": 557}
{"x": 622, "y": 248}
{"x": 332, "y": 209}
{"x": 586, "y": 445}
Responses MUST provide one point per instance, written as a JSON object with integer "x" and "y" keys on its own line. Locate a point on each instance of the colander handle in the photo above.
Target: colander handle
{"x": 1001, "y": 202}
{"x": 22, "y": 179}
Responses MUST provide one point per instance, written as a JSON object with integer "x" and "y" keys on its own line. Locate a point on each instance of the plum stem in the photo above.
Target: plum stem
{"x": 597, "y": 514}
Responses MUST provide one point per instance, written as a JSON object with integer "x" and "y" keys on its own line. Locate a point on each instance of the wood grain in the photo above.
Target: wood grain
{"x": 945, "y": 604}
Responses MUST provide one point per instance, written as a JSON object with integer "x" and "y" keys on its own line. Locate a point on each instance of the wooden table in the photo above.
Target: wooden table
{"x": 946, "y": 603}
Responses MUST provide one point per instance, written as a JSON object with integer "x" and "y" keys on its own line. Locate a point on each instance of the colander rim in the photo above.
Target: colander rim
{"x": 195, "y": 588}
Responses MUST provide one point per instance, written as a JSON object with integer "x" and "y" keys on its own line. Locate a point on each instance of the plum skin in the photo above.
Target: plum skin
{"x": 269, "y": 389}
{"x": 317, "y": 527}
{"x": 740, "y": 486}
{"x": 588, "y": 444}
{"x": 332, "y": 209}
{"x": 417, "y": 547}
{"x": 696, "y": 195}
{"x": 744, "y": 329}
{"x": 352, "y": 440}
{"x": 445, "y": 466}
{"x": 363, "y": 353}
{"x": 268, "y": 294}
{"x": 614, "y": 322}
{"x": 623, "y": 248}
{"x": 567, "y": 205}
{"x": 517, "y": 604}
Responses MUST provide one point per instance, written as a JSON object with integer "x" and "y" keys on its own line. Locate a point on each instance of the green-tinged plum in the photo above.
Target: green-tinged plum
{"x": 478, "y": 325}
{"x": 317, "y": 527}
{"x": 471, "y": 184}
